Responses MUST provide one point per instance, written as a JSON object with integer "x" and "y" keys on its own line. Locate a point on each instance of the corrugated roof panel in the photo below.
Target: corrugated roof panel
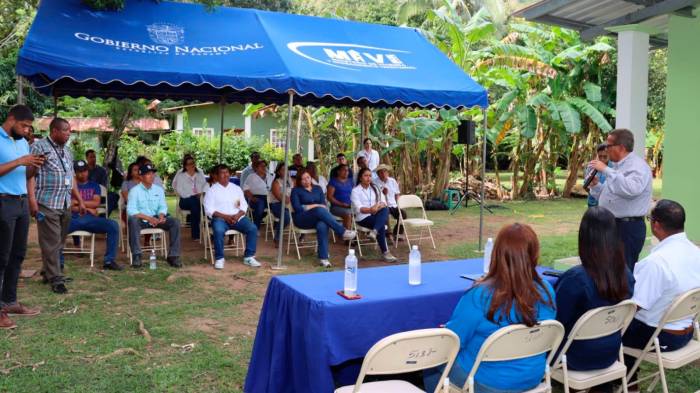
{"x": 596, "y": 12}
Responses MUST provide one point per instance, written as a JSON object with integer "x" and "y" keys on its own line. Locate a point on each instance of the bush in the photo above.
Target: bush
{"x": 167, "y": 153}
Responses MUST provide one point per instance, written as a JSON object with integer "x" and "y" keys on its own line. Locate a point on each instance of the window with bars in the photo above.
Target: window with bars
{"x": 277, "y": 137}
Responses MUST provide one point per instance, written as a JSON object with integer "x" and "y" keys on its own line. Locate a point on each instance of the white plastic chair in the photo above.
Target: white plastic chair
{"x": 685, "y": 306}
{"x": 81, "y": 249}
{"x": 158, "y": 242}
{"x": 414, "y": 202}
{"x": 406, "y": 352}
{"x": 237, "y": 246}
{"x": 518, "y": 342}
{"x": 294, "y": 233}
{"x": 596, "y": 323}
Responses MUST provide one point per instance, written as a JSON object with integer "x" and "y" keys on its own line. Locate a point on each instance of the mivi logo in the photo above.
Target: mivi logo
{"x": 350, "y": 56}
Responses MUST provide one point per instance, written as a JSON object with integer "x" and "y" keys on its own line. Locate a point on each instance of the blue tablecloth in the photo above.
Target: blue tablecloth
{"x": 305, "y": 327}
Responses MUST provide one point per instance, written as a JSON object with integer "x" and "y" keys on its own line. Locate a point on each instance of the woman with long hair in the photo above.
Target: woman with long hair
{"x": 602, "y": 279}
{"x": 371, "y": 210}
{"x": 511, "y": 293}
{"x": 338, "y": 194}
{"x": 188, "y": 185}
{"x": 133, "y": 178}
{"x": 276, "y": 197}
{"x": 311, "y": 212}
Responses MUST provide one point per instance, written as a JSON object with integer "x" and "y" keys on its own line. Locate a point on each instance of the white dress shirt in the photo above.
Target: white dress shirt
{"x": 672, "y": 268}
{"x": 185, "y": 185}
{"x": 280, "y": 181}
{"x": 627, "y": 188}
{"x": 371, "y": 158}
{"x": 255, "y": 184}
{"x": 363, "y": 197}
{"x": 227, "y": 200}
{"x": 322, "y": 182}
{"x": 393, "y": 188}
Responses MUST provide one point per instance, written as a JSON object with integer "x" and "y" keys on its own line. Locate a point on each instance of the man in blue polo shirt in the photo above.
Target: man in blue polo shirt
{"x": 14, "y": 209}
{"x": 146, "y": 208}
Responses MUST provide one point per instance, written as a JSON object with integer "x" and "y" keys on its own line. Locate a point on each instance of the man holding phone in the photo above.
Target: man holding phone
{"x": 146, "y": 208}
{"x": 14, "y": 209}
{"x": 50, "y": 188}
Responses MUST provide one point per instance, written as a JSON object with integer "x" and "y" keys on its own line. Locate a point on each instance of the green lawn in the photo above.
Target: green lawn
{"x": 88, "y": 341}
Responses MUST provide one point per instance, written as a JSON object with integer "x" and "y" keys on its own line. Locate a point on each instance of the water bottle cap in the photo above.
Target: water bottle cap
{"x": 351, "y": 251}
{"x": 490, "y": 239}
{"x": 415, "y": 247}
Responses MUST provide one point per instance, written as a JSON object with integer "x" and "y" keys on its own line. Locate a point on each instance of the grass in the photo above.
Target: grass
{"x": 71, "y": 346}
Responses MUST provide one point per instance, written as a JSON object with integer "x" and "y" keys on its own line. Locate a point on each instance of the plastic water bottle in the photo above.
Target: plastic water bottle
{"x": 487, "y": 254}
{"x": 350, "y": 287}
{"x": 152, "y": 260}
{"x": 414, "y": 276}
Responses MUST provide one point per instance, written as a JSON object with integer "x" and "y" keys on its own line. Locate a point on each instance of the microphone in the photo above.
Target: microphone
{"x": 589, "y": 179}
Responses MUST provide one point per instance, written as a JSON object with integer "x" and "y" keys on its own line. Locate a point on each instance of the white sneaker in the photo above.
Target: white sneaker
{"x": 325, "y": 263}
{"x": 251, "y": 261}
{"x": 219, "y": 264}
{"x": 372, "y": 235}
{"x": 349, "y": 235}
{"x": 388, "y": 257}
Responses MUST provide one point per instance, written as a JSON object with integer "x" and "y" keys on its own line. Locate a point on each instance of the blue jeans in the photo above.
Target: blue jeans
{"x": 258, "y": 207}
{"x": 378, "y": 222}
{"x": 244, "y": 226}
{"x": 192, "y": 205}
{"x": 92, "y": 224}
{"x": 458, "y": 376}
{"x": 275, "y": 208}
{"x": 320, "y": 219}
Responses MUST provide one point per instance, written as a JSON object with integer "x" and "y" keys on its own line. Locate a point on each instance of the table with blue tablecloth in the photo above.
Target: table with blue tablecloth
{"x": 306, "y": 328}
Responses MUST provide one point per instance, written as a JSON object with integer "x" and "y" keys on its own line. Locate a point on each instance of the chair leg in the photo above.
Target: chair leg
{"x": 92, "y": 251}
{"x": 296, "y": 245}
{"x": 662, "y": 373}
{"x": 431, "y": 238}
{"x": 565, "y": 370}
{"x": 289, "y": 239}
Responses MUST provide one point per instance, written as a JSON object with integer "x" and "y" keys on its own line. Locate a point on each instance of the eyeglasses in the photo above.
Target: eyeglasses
{"x": 609, "y": 145}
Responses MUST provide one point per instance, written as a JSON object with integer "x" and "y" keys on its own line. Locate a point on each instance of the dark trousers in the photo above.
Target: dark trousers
{"x": 112, "y": 202}
{"x": 394, "y": 211}
{"x": 322, "y": 221}
{"x": 53, "y": 229}
{"x": 633, "y": 234}
{"x": 14, "y": 228}
{"x": 258, "y": 209}
{"x": 192, "y": 205}
{"x": 378, "y": 222}
{"x": 276, "y": 211}
{"x": 171, "y": 225}
{"x": 638, "y": 334}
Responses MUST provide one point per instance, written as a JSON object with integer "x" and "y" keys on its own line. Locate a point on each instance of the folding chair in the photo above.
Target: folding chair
{"x": 181, "y": 214}
{"x": 518, "y": 342}
{"x": 158, "y": 242}
{"x": 596, "y": 323}
{"x": 104, "y": 202}
{"x": 294, "y": 233}
{"x": 122, "y": 226}
{"x": 404, "y": 353}
{"x": 414, "y": 202}
{"x": 237, "y": 246}
{"x": 82, "y": 249}
{"x": 363, "y": 238}
{"x": 271, "y": 220}
{"x": 685, "y": 306}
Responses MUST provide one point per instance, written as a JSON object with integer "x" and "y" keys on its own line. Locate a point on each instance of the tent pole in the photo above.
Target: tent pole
{"x": 221, "y": 131}
{"x": 20, "y": 90}
{"x": 483, "y": 184}
{"x": 280, "y": 234}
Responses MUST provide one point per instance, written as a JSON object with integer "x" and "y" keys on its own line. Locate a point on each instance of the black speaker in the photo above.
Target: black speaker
{"x": 466, "y": 133}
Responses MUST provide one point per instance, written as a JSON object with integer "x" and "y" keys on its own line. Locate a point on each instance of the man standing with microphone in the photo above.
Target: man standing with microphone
{"x": 626, "y": 191}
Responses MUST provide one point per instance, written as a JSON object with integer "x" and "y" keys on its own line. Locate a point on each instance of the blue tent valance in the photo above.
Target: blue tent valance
{"x": 184, "y": 51}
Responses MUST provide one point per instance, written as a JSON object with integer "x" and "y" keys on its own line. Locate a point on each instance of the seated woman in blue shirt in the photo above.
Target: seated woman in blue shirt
{"x": 309, "y": 211}
{"x": 602, "y": 279}
{"x": 511, "y": 293}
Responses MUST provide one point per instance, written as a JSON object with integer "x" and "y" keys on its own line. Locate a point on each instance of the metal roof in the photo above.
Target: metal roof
{"x": 594, "y": 17}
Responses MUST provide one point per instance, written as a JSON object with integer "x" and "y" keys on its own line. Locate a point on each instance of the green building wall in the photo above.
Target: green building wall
{"x": 682, "y": 144}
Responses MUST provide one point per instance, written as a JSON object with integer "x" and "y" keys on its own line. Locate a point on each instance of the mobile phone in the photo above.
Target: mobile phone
{"x": 552, "y": 273}
{"x": 40, "y": 216}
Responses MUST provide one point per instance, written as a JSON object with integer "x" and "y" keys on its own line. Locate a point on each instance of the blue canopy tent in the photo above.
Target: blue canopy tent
{"x": 186, "y": 52}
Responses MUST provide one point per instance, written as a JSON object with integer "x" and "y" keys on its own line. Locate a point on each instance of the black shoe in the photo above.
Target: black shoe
{"x": 113, "y": 266}
{"x": 136, "y": 262}
{"x": 67, "y": 279}
{"x": 59, "y": 288}
{"x": 174, "y": 262}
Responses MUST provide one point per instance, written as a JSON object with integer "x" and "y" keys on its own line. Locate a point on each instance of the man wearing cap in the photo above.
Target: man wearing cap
{"x": 50, "y": 188}
{"x": 14, "y": 209}
{"x": 146, "y": 208}
{"x": 250, "y": 169}
{"x": 91, "y": 221}
{"x": 390, "y": 189}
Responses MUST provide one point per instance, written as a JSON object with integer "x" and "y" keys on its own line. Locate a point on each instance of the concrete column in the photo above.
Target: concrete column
{"x": 633, "y": 84}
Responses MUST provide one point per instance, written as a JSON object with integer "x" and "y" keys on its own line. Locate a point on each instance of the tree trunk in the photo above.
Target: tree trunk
{"x": 573, "y": 166}
{"x": 442, "y": 175}
{"x": 529, "y": 169}
{"x": 119, "y": 125}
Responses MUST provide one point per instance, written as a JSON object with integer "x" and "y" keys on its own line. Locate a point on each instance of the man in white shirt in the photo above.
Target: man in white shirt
{"x": 626, "y": 191}
{"x": 672, "y": 268}
{"x": 254, "y": 157}
{"x": 371, "y": 156}
{"x": 390, "y": 188}
{"x": 226, "y": 205}
{"x": 255, "y": 190}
